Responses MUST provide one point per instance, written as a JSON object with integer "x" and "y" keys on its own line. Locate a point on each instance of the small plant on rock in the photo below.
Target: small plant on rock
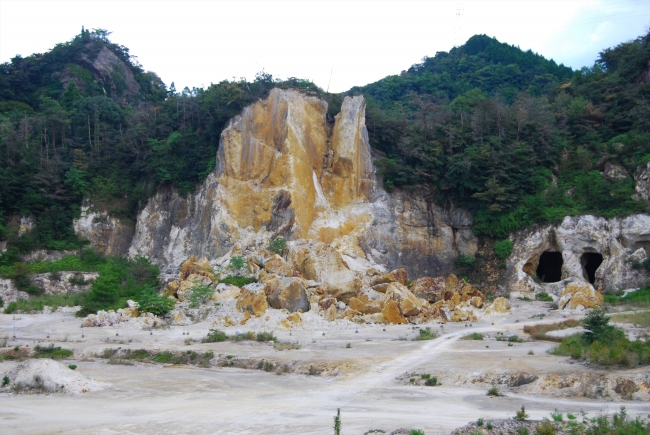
{"x": 199, "y": 294}
{"x": 278, "y": 245}
{"x": 556, "y": 416}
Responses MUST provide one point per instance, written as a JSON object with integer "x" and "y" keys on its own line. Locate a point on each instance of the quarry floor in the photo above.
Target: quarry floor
{"x": 366, "y": 380}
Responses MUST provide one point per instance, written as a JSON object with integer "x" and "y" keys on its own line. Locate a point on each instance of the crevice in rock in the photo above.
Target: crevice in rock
{"x": 590, "y": 262}
{"x": 549, "y": 268}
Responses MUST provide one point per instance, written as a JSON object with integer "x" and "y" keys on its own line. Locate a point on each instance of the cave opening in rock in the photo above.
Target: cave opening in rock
{"x": 590, "y": 262}
{"x": 549, "y": 268}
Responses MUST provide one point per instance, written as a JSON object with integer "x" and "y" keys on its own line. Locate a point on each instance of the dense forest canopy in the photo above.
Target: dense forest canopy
{"x": 508, "y": 134}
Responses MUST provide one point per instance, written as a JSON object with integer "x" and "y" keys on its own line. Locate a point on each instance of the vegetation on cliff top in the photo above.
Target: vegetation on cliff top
{"x": 508, "y": 134}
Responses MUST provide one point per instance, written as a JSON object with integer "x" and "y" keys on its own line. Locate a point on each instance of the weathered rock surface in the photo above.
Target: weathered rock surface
{"x": 106, "y": 234}
{"x": 252, "y": 299}
{"x": 427, "y": 288}
{"x": 47, "y": 376}
{"x": 620, "y": 242}
{"x": 282, "y": 169}
{"x": 409, "y": 305}
{"x": 579, "y": 296}
{"x": 287, "y": 293}
{"x": 57, "y": 283}
{"x": 642, "y": 186}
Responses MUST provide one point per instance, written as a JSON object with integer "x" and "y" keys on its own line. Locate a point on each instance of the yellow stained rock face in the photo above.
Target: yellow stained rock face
{"x": 430, "y": 289}
{"x": 499, "y": 306}
{"x": 451, "y": 283}
{"x": 579, "y": 294}
{"x": 408, "y": 303}
{"x": 330, "y": 313}
{"x": 171, "y": 288}
{"x": 357, "y": 305}
{"x": 278, "y": 266}
{"x": 253, "y": 302}
{"x": 399, "y": 275}
{"x": 392, "y": 313}
{"x": 294, "y": 318}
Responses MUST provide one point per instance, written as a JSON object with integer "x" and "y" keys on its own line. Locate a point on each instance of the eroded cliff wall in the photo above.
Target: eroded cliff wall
{"x": 283, "y": 170}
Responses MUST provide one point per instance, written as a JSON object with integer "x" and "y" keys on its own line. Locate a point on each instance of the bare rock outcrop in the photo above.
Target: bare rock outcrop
{"x": 283, "y": 169}
{"x": 106, "y": 234}
{"x": 585, "y": 249}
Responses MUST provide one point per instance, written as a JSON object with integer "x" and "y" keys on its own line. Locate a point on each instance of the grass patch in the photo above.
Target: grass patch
{"x": 215, "y": 336}
{"x": 543, "y": 296}
{"x": 38, "y": 303}
{"x": 426, "y": 334}
{"x": 473, "y": 336}
{"x": 128, "y": 356}
{"x": 641, "y": 319}
{"x": 494, "y": 391}
{"x": 238, "y": 281}
{"x": 431, "y": 382}
{"x": 52, "y": 352}
{"x": 539, "y": 332}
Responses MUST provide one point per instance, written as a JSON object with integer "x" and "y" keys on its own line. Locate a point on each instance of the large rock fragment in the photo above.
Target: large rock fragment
{"x": 252, "y": 299}
{"x": 430, "y": 289}
{"x": 392, "y": 313}
{"x": 287, "y": 293}
{"x": 325, "y": 265}
{"x": 399, "y": 275}
{"x": 409, "y": 305}
{"x": 276, "y": 265}
{"x": 578, "y": 295}
{"x": 499, "y": 306}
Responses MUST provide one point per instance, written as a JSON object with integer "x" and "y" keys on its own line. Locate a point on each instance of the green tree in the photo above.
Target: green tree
{"x": 70, "y": 95}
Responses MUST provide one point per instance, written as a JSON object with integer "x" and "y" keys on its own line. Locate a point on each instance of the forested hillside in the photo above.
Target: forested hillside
{"x": 510, "y": 135}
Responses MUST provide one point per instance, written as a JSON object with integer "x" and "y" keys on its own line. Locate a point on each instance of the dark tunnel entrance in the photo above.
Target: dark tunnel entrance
{"x": 590, "y": 261}
{"x": 550, "y": 267}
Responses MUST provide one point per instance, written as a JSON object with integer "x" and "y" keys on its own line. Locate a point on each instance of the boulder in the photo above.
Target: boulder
{"x": 408, "y": 303}
{"x": 392, "y": 314}
{"x": 197, "y": 267}
{"x": 287, "y": 293}
{"x": 451, "y": 283}
{"x": 179, "y": 318}
{"x": 381, "y": 288}
{"x": 398, "y": 275}
{"x": 252, "y": 299}
{"x": 464, "y": 312}
{"x": 294, "y": 318}
{"x": 225, "y": 292}
{"x": 357, "y": 305}
{"x": 429, "y": 289}
{"x": 579, "y": 295}
{"x": 171, "y": 288}
{"x": 278, "y": 266}
{"x": 499, "y": 306}
{"x": 325, "y": 265}
{"x": 614, "y": 172}
{"x": 476, "y": 301}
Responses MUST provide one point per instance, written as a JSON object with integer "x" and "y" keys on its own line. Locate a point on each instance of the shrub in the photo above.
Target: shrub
{"x": 425, "y": 376}
{"x": 426, "y": 334}
{"x": 494, "y": 391}
{"x": 265, "y": 336}
{"x": 72, "y": 366}
{"x": 473, "y": 336}
{"x": 214, "y": 336}
{"x": 515, "y": 339}
{"x": 337, "y": 422}
{"x": 238, "y": 265}
{"x": 545, "y": 428}
{"x": 416, "y": 432}
{"x": 556, "y": 415}
{"x": 12, "y": 307}
{"x": 52, "y": 352}
{"x": 199, "y": 294}
{"x": 489, "y": 426}
{"x": 278, "y": 245}
{"x": 522, "y": 431}
{"x": 503, "y": 249}
{"x": 152, "y": 302}
{"x": 431, "y": 382}
{"x": 5, "y": 381}
{"x": 479, "y": 422}
{"x": 521, "y": 414}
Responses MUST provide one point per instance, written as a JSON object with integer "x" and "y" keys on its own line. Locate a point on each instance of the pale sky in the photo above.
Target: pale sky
{"x": 195, "y": 43}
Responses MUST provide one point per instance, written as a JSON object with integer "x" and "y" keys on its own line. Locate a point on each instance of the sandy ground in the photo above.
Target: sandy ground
{"x": 366, "y": 381}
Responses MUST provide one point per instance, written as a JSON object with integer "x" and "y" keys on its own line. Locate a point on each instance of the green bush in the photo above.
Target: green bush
{"x": 278, "y": 245}
{"x": 473, "y": 336}
{"x": 238, "y": 265}
{"x": 72, "y": 366}
{"x": 521, "y": 414}
{"x": 265, "y": 336}
{"x": 12, "y": 307}
{"x": 431, "y": 382}
{"x": 238, "y": 281}
{"x": 52, "y": 352}
{"x": 494, "y": 391}
{"x": 215, "y": 336}
{"x": 152, "y": 302}
{"x": 503, "y": 249}
{"x": 199, "y": 294}
{"x": 426, "y": 334}
{"x": 163, "y": 357}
